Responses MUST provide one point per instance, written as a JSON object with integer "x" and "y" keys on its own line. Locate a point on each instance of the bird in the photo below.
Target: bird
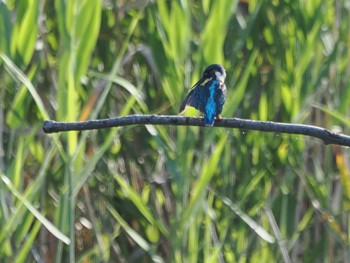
{"x": 208, "y": 95}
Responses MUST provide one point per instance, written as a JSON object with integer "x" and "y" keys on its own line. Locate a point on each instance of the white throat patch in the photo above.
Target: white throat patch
{"x": 220, "y": 77}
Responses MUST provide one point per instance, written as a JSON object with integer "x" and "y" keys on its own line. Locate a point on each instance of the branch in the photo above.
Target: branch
{"x": 325, "y": 135}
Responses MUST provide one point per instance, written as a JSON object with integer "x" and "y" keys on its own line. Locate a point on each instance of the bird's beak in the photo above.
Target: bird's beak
{"x": 203, "y": 80}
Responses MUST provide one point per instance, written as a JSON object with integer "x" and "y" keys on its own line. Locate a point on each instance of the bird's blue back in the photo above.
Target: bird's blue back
{"x": 208, "y": 99}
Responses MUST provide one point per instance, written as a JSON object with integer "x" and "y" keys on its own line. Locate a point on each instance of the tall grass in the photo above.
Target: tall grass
{"x": 172, "y": 194}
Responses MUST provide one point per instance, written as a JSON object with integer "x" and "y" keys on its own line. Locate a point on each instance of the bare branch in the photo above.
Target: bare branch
{"x": 325, "y": 135}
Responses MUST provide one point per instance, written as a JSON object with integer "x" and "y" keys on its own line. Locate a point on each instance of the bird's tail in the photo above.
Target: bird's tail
{"x": 209, "y": 121}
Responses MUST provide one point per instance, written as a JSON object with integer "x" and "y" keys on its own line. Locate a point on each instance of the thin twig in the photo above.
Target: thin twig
{"x": 325, "y": 135}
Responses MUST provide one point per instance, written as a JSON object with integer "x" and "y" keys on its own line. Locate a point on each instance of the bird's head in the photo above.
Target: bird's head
{"x": 214, "y": 71}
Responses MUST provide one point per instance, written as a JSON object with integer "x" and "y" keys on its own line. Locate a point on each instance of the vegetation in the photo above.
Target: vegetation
{"x": 172, "y": 194}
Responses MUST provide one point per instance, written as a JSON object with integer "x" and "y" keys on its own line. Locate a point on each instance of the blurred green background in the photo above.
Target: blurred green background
{"x": 172, "y": 194}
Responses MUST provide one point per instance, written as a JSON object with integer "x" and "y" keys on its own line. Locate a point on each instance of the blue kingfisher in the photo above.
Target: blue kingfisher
{"x": 208, "y": 94}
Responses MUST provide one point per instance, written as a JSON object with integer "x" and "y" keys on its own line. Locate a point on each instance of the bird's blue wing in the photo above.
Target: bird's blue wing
{"x": 196, "y": 98}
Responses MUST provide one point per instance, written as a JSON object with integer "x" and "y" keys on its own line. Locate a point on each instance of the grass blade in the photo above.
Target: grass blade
{"x": 49, "y": 226}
